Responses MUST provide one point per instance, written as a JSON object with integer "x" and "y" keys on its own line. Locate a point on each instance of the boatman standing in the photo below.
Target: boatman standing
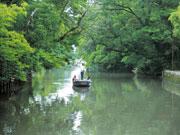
{"x": 82, "y": 71}
{"x": 82, "y": 74}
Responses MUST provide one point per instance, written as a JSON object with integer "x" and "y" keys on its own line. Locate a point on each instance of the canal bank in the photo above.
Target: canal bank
{"x": 173, "y": 76}
{"x": 171, "y": 81}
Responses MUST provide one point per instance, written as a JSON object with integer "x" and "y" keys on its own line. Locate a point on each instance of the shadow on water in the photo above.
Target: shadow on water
{"x": 117, "y": 104}
{"x": 81, "y": 89}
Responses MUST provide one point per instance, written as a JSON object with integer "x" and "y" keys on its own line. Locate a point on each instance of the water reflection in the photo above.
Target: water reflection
{"x": 171, "y": 87}
{"x": 82, "y": 91}
{"x": 117, "y": 104}
{"x": 77, "y": 117}
{"x": 133, "y": 106}
{"x": 44, "y": 108}
{"x": 63, "y": 90}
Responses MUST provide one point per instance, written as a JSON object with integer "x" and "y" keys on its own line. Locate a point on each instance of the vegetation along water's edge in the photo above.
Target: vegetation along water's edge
{"x": 111, "y": 36}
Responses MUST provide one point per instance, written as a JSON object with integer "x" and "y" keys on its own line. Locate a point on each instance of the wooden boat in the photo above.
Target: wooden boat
{"x": 81, "y": 89}
{"x": 82, "y": 83}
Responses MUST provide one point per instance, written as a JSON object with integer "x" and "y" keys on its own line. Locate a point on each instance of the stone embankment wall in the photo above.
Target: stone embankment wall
{"x": 171, "y": 81}
{"x": 173, "y": 76}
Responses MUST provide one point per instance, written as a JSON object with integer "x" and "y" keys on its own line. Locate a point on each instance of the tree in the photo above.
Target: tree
{"x": 37, "y": 34}
{"x": 14, "y": 48}
{"x": 175, "y": 19}
{"x": 138, "y": 32}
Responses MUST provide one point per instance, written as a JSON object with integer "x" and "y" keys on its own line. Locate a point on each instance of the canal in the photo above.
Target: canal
{"x": 115, "y": 104}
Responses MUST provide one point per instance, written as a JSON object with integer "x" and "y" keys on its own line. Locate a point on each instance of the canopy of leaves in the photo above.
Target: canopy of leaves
{"x": 14, "y": 48}
{"x": 116, "y": 35}
{"x": 37, "y": 34}
{"x": 134, "y": 34}
{"x": 175, "y": 20}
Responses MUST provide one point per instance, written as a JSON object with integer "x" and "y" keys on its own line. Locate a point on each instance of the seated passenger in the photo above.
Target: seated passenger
{"x": 74, "y": 78}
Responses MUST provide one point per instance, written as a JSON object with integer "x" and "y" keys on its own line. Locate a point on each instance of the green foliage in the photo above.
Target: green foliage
{"x": 10, "y": 2}
{"x": 13, "y": 46}
{"x": 43, "y": 32}
{"x": 115, "y": 34}
{"x": 175, "y": 20}
{"x": 48, "y": 22}
{"x": 137, "y": 32}
{"x": 34, "y": 35}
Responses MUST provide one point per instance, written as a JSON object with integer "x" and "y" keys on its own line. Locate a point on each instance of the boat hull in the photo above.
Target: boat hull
{"x": 81, "y": 89}
{"x": 82, "y": 83}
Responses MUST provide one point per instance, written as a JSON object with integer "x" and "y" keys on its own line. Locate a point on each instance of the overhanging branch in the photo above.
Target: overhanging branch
{"x": 73, "y": 29}
{"x": 119, "y": 7}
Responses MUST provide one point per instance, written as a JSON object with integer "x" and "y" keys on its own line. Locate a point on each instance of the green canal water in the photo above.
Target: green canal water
{"x": 115, "y": 104}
